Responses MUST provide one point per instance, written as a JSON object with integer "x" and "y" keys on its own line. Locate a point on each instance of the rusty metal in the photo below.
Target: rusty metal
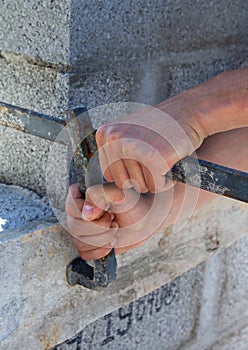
{"x": 84, "y": 146}
{"x": 101, "y": 275}
{"x": 211, "y": 177}
{"x": 31, "y": 122}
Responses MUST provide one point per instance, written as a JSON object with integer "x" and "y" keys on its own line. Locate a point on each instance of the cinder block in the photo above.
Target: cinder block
{"x": 199, "y": 66}
{"x": 20, "y": 206}
{"x": 33, "y": 85}
{"x": 93, "y": 33}
{"x": 163, "y": 319}
{"x": 233, "y": 302}
{"x": 104, "y": 33}
{"x": 25, "y": 159}
{"x": 234, "y": 341}
{"x": 36, "y": 28}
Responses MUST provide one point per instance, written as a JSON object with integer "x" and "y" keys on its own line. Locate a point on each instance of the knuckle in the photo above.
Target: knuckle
{"x": 130, "y": 148}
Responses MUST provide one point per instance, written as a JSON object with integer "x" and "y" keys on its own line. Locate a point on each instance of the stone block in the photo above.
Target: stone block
{"x": 49, "y": 311}
{"x": 163, "y": 319}
{"x": 233, "y": 302}
{"x": 234, "y": 341}
{"x": 24, "y": 161}
{"x": 107, "y": 33}
{"x": 34, "y": 85}
{"x": 39, "y": 29}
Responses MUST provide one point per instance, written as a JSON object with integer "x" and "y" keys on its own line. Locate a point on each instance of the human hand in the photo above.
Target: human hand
{"x": 110, "y": 217}
{"x": 140, "y": 148}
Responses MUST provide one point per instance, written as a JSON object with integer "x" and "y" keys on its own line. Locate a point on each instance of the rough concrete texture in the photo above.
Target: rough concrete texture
{"x": 233, "y": 301}
{"x": 54, "y": 315}
{"x": 152, "y": 80}
{"x": 163, "y": 319}
{"x": 185, "y": 314}
{"x": 20, "y": 206}
{"x": 235, "y": 341}
{"x": 24, "y": 161}
{"x": 93, "y": 33}
{"x": 110, "y": 32}
{"x": 33, "y": 84}
{"x": 36, "y": 28}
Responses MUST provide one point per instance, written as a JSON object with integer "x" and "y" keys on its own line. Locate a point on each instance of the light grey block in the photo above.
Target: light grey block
{"x": 25, "y": 160}
{"x": 233, "y": 302}
{"x": 97, "y": 33}
{"x": 235, "y": 341}
{"x": 20, "y": 206}
{"x": 36, "y": 28}
{"x": 109, "y": 32}
{"x": 163, "y": 319}
{"x": 30, "y": 84}
{"x": 48, "y": 311}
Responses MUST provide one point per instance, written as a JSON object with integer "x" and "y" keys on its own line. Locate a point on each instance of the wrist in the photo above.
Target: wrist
{"x": 222, "y": 102}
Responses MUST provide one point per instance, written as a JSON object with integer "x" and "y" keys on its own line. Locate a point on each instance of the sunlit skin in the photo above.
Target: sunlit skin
{"x": 97, "y": 224}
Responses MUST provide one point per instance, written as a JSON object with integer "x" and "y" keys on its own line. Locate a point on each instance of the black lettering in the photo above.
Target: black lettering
{"x": 158, "y": 300}
{"x": 150, "y": 300}
{"x": 77, "y": 340}
{"x": 125, "y": 315}
{"x": 109, "y": 337}
{"x": 169, "y": 293}
{"x": 140, "y": 309}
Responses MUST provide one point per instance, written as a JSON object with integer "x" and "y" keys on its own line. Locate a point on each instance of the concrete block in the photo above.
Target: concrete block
{"x": 107, "y": 33}
{"x": 36, "y": 28}
{"x": 34, "y": 85}
{"x": 233, "y": 303}
{"x": 189, "y": 70}
{"x": 163, "y": 319}
{"x": 152, "y": 80}
{"x": 234, "y": 341}
{"x": 93, "y": 33}
{"x": 24, "y": 161}
{"x": 48, "y": 311}
{"x": 20, "y": 206}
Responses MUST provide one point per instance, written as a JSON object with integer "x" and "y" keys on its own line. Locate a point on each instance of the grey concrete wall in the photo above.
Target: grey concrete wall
{"x": 205, "y": 308}
{"x": 57, "y": 54}
{"x": 38, "y": 309}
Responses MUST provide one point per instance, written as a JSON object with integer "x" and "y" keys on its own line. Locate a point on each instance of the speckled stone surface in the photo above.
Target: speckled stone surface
{"x": 20, "y": 206}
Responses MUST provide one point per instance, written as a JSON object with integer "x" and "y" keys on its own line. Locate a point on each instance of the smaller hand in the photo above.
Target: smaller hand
{"x": 109, "y": 217}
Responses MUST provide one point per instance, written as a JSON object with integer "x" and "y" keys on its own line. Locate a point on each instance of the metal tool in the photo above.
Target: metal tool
{"x": 195, "y": 172}
{"x": 82, "y": 136}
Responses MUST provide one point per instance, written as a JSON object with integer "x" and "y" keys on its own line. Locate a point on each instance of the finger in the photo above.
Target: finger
{"x": 154, "y": 181}
{"x": 135, "y": 173}
{"x": 78, "y": 227}
{"x": 105, "y": 165}
{"x": 74, "y": 201}
{"x": 101, "y": 196}
{"x": 120, "y": 174}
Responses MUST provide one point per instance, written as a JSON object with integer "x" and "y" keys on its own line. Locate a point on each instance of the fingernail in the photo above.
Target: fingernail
{"x": 87, "y": 211}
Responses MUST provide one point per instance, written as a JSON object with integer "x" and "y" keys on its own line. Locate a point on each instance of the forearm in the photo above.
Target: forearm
{"x": 222, "y": 102}
{"x": 229, "y": 149}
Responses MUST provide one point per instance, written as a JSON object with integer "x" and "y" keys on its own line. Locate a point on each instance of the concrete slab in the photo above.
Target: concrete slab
{"x": 39, "y": 255}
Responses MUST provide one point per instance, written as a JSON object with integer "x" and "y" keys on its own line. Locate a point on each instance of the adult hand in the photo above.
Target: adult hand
{"x": 111, "y": 217}
{"x": 139, "y": 149}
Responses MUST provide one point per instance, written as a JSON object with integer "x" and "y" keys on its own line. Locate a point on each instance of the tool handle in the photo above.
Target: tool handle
{"x": 211, "y": 177}
{"x": 100, "y": 272}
